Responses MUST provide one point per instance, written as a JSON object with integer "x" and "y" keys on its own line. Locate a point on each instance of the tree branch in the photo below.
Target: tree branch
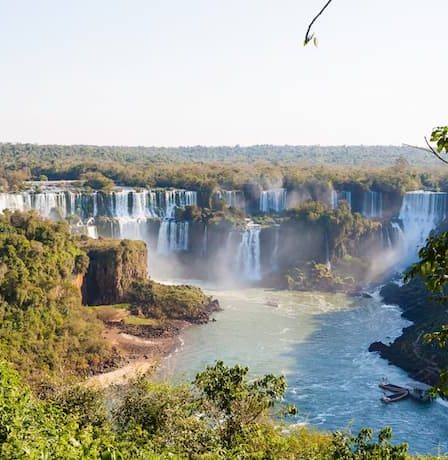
{"x": 309, "y": 36}
{"x": 430, "y": 149}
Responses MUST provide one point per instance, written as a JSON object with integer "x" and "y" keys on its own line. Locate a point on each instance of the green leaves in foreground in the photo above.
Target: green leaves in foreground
{"x": 439, "y": 135}
{"x": 222, "y": 416}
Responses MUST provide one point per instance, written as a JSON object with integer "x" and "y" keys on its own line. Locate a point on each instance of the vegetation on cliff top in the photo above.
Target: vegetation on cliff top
{"x": 161, "y": 301}
{"x": 44, "y": 330}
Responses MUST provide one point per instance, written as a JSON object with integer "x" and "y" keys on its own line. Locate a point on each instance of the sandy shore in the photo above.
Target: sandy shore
{"x": 142, "y": 355}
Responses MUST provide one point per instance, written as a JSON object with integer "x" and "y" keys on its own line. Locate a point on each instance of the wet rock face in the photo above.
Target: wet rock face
{"x": 114, "y": 266}
{"x": 410, "y": 351}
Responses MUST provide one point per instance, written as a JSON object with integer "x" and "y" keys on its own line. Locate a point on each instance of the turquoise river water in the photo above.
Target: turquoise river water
{"x": 319, "y": 342}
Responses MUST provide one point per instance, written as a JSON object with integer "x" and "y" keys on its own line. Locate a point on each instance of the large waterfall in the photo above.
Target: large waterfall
{"x": 248, "y": 255}
{"x": 372, "y": 205}
{"x": 420, "y": 213}
{"x": 128, "y": 203}
{"x": 129, "y": 209}
{"x": 273, "y": 200}
{"x": 173, "y": 237}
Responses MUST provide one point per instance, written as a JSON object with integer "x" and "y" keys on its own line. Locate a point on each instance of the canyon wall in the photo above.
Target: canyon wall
{"x": 114, "y": 266}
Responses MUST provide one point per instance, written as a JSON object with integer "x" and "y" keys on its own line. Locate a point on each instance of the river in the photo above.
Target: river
{"x": 319, "y": 342}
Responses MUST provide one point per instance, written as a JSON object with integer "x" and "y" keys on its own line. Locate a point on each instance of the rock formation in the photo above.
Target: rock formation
{"x": 114, "y": 266}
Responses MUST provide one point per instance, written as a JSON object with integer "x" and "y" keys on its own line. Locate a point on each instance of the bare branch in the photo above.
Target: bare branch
{"x": 309, "y": 36}
{"x": 429, "y": 149}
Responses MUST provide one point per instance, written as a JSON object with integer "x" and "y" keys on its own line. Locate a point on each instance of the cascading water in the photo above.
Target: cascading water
{"x": 273, "y": 200}
{"x": 248, "y": 256}
{"x": 47, "y": 204}
{"x": 372, "y": 205}
{"x": 130, "y": 210}
{"x": 205, "y": 241}
{"x": 334, "y": 199}
{"x": 346, "y": 196}
{"x": 275, "y": 250}
{"x": 420, "y": 213}
{"x": 327, "y": 252}
{"x": 233, "y": 198}
{"x": 342, "y": 195}
{"x": 173, "y": 237}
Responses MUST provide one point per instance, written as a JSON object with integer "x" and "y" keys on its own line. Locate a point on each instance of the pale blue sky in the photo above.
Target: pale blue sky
{"x": 221, "y": 72}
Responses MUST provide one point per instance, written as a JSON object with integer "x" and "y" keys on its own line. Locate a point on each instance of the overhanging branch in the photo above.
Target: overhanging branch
{"x": 429, "y": 149}
{"x": 309, "y": 36}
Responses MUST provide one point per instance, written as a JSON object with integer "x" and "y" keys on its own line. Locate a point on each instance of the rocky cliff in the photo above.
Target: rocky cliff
{"x": 114, "y": 266}
{"x": 410, "y": 351}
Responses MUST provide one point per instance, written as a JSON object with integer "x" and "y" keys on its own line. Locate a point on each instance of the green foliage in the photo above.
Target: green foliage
{"x": 432, "y": 268}
{"x": 439, "y": 135}
{"x": 97, "y": 181}
{"x": 361, "y": 447}
{"x": 433, "y": 264}
{"x": 314, "y": 276}
{"x": 221, "y": 416}
{"x": 167, "y": 301}
{"x": 44, "y": 330}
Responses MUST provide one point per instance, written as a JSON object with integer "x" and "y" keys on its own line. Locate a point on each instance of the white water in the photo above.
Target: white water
{"x": 248, "y": 255}
{"x": 320, "y": 343}
{"x": 275, "y": 250}
{"x": 233, "y": 198}
{"x": 205, "y": 241}
{"x": 130, "y": 208}
{"x": 372, "y": 205}
{"x": 420, "y": 213}
{"x": 127, "y": 203}
{"x": 273, "y": 200}
{"x": 173, "y": 237}
{"x": 341, "y": 195}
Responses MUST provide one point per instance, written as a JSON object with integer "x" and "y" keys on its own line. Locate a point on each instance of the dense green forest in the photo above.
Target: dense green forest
{"x": 44, "y": 330}
{"x": 316, "y": 154}
{"x": 221, "y": 415}
{"x": 101, "y": 167}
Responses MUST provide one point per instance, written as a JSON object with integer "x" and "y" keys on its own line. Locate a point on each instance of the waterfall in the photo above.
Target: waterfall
{"x": 274, "y": 254}
{"x": 233, "y": 198}
{"x": 372, "y": 205}
{"x": 173, "y": 237}
{"x": 205, "y": 241}
{"x": 273, "y": 200}
{"x": 327, "y": 252}
{"x": 334, "y": 199}
{"x": 341, "y": 195}
{"x": 130, "y": 210}
{"x": 345, "y": 195}
{"x": 248, "y": 254}
{"x": 420, "y": 213}
{"x": 12, "y": 201}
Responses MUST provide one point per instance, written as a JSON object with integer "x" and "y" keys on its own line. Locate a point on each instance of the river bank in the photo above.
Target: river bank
{"x": 140, "y": 355}
{"x": 319, "y": 342}
{"x": 410, "y": 351}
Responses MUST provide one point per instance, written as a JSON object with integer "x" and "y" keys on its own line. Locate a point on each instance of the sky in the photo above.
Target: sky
{"x": 221, "y": 72}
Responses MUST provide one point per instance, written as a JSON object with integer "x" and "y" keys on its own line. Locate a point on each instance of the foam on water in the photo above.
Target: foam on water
{"x": 320, "y": 342}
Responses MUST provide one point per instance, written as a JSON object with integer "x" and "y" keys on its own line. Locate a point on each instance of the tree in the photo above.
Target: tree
{"x": 432, "y": 268}
{"x": 236, "y": 402}
{"x": 97, "y": 181}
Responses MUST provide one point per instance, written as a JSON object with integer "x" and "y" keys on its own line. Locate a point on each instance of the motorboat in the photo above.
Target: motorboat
{"x": 418, "y": 391}
{"x": 395, "y": 397}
